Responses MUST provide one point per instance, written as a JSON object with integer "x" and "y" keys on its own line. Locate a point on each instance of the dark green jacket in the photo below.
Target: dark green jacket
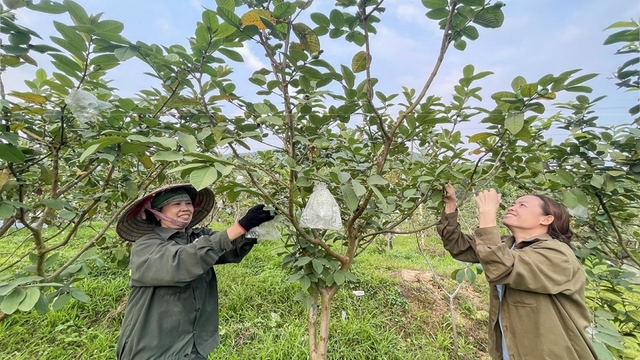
{"x": 173, "y": 304}
{"x": 544, "y": 315}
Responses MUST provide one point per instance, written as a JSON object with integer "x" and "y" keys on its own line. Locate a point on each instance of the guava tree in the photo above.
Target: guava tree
{"x": 332, "y": 127}
{"x": 47, "y": 179}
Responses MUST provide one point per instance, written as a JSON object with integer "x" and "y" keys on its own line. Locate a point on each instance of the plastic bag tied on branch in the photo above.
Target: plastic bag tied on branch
{"x": 322, "y": 211}
{"x": 84, "y": 105}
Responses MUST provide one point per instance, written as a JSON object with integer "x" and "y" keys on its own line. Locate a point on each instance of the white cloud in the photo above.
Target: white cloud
{"x": 250, "y": 59}
{"x": 196, "y": 4}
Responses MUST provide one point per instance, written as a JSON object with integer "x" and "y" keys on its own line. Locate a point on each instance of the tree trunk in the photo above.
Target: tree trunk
{"x": 318, "y": 345}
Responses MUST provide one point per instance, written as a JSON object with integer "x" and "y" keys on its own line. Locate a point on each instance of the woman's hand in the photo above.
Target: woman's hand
{"x": 488, "y": 203}
{"x": 449, "y": 198}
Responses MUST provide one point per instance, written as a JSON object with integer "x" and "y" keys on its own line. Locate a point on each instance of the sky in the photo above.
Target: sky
{"x": 537, "y": 38}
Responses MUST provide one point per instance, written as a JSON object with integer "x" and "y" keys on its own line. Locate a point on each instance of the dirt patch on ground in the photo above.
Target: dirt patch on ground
{"x": 429, "y": 305}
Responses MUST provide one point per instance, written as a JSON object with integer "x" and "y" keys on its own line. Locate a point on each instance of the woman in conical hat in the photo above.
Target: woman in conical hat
{"x": 172, "y": 312}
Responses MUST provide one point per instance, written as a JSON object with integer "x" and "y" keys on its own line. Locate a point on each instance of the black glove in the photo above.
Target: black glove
{"x": 256, "y": 216}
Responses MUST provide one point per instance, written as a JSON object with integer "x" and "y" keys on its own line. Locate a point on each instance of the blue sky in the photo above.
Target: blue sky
{"x": 538, "y": 37}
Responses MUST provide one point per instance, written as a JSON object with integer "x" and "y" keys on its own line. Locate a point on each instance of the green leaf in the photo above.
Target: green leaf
{"x": 61, "y": 301}
{"x": 460, "y": 44}
{"x": 470, "y": 274}
{"x": 131, "y": 189}
{"x": 202, "y": 178}
{"x": 210, "y": 19}
{"x": 358, "y": 188}
{"x": 480, "y": 136}
{"x": 109, "y": 26}
{"x": 71, "y": 40}
{"x": 30, "y": 299}
{"x": 55, "y": 204}
{"x": 597, "y": 181}
{"x": 470, "y": 32}
{"x": 262, "y": 108}
{"x": 529, "y": 90}
{"x": 126, "y": 52}
{"x": 518, "y": 82}
{"x": 283, "y": 10}
{"x": 348, "y": 196}
{"x": 339, "y": 277}
{"x": 584, "y": 89}
{"x": 187, "y": 141}
{"x": 438, "y": 14}
{"x": 19, "y": 39}
{"x": 468, "y": 70}
{"x": 580, "y": 79}
{"x": 434, "y": 4}
{"x": 231, "y": 54}
{"x": 359, "y": 62}
{"x": 498, "y": 96}
{"x": 15, "y": 50}
{"x": 308, "y": 39}
{"x": 317, "y": 266}
{"x": 567, "y": 178}
{"x": 472, "y": 2}
{"x": 623, "y": 36}
{"x": 11, "y": 154}
{"x": 11, "y": 302}
{"x": 321, "y": 19}
{"x": 48, "y": 7}
{"x": 90, "y": 151}
{"x": 348, "y": 76}
{"x": 337, "y": 18}
{"x": 305, "y": 283}
{"x": 64, "y": 80}
{"x": 6, "y": 210}
{"x": 376, "y": 180}
{"x": 66, "y": 65}
{"x": 304, "y": 260}
{"x": 80, "y": 296}
{"x": 491, "y": 17}
{"x": 229, "y": 16}
{"x": 77, "y": 13}
{"x": 41, "y": 75}
{"x": 514, "y": 122}
{"x": 167, "y": 156}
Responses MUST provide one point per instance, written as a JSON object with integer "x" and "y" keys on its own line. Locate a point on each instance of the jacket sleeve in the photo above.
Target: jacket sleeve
{"x": 156, "y": 262}
{"x": 240, "y": 249}
{"x": 541, "y": 267}
{"x": 461, "y": 246}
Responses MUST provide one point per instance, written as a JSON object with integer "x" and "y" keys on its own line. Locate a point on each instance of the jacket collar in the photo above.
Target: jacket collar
{"x": 167, "y": 233}
{"x": 527, "y": 242}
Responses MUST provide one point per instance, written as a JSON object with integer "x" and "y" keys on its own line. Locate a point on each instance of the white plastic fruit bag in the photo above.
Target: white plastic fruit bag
{"x": 322, "y": 211}
{"x": 265, "y": 231}
{"x": 84, "y": 105}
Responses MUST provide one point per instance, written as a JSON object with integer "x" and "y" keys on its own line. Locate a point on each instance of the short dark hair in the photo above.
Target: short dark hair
{"x": 559, "y": 228}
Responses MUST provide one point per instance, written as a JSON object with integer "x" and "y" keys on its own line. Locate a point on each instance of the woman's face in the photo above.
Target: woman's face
{"x": 526, "y": 213}
{"x": 178, "y": 210}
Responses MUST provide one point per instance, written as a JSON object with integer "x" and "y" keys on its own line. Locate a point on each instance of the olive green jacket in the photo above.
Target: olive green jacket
{"x": 543, "y": 309}
{"x": 173, "y": 304}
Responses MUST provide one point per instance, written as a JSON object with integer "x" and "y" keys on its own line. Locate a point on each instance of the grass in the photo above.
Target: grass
{"x": 259, "y": 319}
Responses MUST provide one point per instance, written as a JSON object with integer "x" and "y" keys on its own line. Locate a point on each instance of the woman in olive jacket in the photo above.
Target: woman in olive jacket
{"x": 537, "y": 308}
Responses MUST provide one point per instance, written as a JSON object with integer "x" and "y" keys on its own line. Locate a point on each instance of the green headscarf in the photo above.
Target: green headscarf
{"x": 169, "y": 196}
